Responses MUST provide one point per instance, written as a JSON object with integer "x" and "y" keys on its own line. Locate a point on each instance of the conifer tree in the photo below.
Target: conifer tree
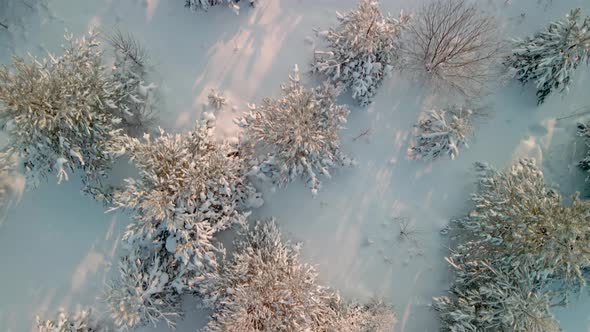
{"x": 296, "y": 135}
{"x": 550, "y": 57}
{"x": 362, "y": 50}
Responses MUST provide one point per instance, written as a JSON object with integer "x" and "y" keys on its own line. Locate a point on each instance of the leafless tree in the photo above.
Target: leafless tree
{"x": 453, "y": 45}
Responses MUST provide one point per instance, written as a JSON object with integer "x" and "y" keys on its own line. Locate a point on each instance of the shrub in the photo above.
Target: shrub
{"x": 204, "y": 5}
{"x": 584, "y": 132}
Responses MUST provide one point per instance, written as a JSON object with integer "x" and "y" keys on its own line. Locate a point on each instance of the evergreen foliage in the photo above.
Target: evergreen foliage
{"x": 550, "y": 57}
{"x": 189, "y": 188}
{"x": 295, "y": 135}
{"x": 442, "y": 132}
{"x": 363, "y": 49}
{"x": 265, "y": 288}
{"x": 82, "y": 321}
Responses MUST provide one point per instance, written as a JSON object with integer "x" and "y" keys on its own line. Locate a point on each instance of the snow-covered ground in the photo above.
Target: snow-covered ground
{"x": 58, "y": 247}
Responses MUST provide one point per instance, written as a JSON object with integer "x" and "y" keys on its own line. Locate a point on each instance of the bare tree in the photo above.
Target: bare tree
{"x": 453, "y": 45}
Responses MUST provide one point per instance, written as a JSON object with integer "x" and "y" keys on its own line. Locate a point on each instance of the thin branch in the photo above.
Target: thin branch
{"x": 364, "y": 133}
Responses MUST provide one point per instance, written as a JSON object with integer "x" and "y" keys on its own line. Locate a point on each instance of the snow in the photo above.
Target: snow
{"x": 58, "y": 247}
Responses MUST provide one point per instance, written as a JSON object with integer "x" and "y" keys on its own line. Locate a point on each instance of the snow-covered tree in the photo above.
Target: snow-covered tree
{"x": 265, "y": 288}
{"x": 147, "y": 290}
{"x": 58, "y": 112}
{"x": 296, "y": 135}
{"x": 135, "y": 97}
{"x": 189, "y": 188}
{"x": 442, "y": 132}
{"x": 517, "y": 221}
{"x": 363, "y": 49}
{"x": 550, "y": 57}
{"x": 81, "y": 321}
{"x": 487, "y": 297}
{"x": 451, "y": 44}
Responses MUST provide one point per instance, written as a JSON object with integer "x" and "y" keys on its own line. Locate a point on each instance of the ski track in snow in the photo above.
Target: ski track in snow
{"x": 59, "y": 247}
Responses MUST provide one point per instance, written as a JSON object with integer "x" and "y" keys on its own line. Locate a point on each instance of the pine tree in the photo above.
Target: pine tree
{"x": 58, "y": 112}
{"x": 147, "y": 290}
{"x": 517, "y": 222}
{"x": 82, "y": 321}
{"x": 135, "y": 97}
{"x": 487, "y": 297}
{"x": 363, "y": 49}
{"x": 442, "y": 132}
{"x": 265, "y": 288}
{"x": 295, "y": 135}
{"x": 63, "y": 113}
{"x": 550, "y": 57}
{"x": 190, "y": 187}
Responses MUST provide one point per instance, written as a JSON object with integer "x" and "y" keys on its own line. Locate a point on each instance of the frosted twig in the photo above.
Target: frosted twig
{"x": 364, "y": 133}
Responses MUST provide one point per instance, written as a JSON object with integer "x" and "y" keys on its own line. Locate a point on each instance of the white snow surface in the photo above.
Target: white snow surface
{"x": 57, "y": 247}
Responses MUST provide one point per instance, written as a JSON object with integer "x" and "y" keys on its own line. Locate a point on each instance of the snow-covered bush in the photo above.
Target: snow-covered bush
{"x": 374, "y": 316}
{"x": 265, "y": 288}
{"x": 135, "y": 97}
{"x": 550, "y": 57}
{"x": 296, "y": 135}
{"x": 58, "y": 112}
{"x": 216, "y": 100}
{"x": 82, "y": 321}
{"x": 584, "y": 132}
{"x": 485, "y": 297}
{"x": 363, "y": 49}
{"x": 204, "y": 5}
{"x": 453, "y": 45}
{"x": 442, "y": 132}
{"x": 144, "y": 291}
{"x": 9, "y": 184}
{"x": 517, "y": 221}
{"x": 189, "y": 188}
